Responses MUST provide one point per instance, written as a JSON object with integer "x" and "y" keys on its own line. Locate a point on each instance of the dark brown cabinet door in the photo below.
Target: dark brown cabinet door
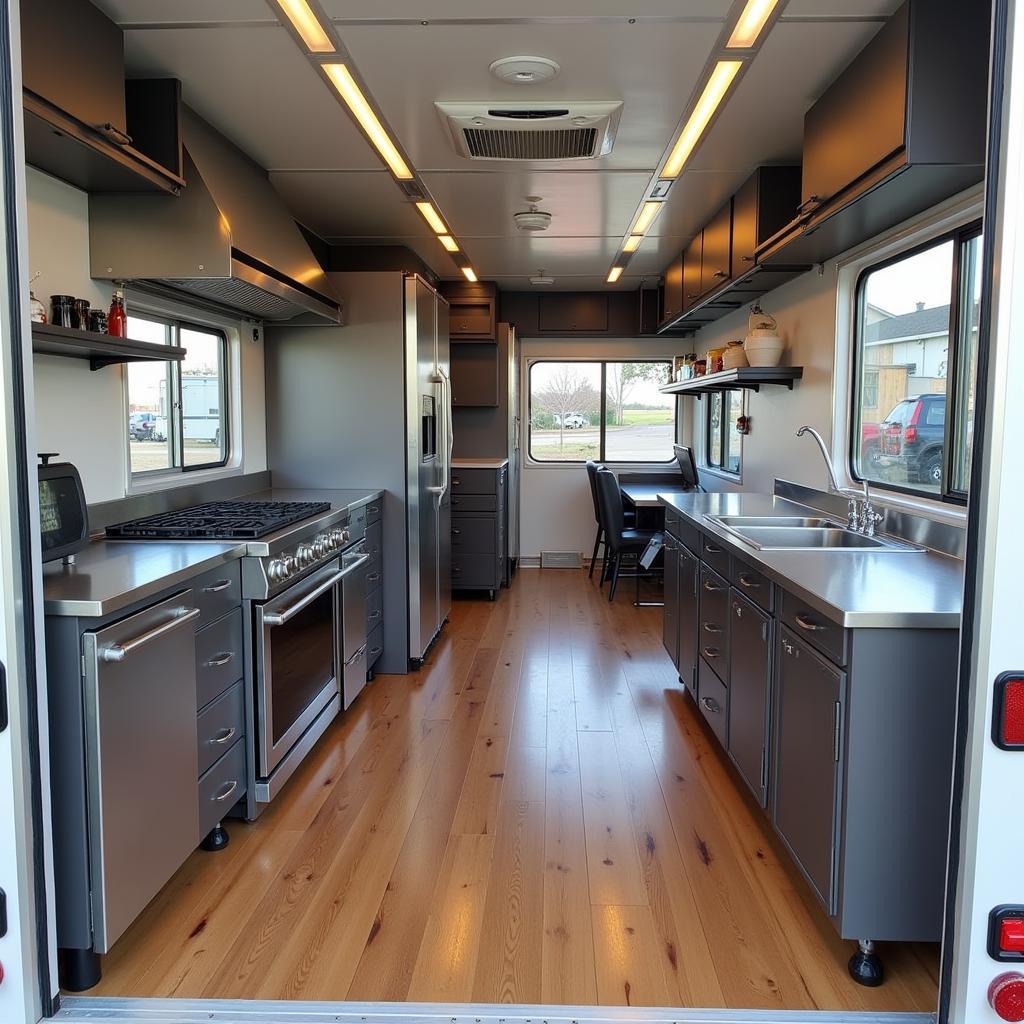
{"x": 808, "y": 730}
{"x": 716, "y": 260}
{"x": 674, "y": 288}
{"x": 691, "y": 272}
{"x": 744, "y": 227}
{"x": 582, "y": 313}
{"x": 862, "y": 117}
{"x": 749, "y": 672}
{"x": 474, "y": 374}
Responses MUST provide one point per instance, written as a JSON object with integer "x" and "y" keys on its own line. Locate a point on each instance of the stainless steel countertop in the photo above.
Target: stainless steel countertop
{"x": 110, "y": 575}
{"x": 855, "y": 588}
{"x": 479, "y": 463}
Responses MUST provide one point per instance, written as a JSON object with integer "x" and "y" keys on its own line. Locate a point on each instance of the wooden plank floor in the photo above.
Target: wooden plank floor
{"x": 538, "y": 816}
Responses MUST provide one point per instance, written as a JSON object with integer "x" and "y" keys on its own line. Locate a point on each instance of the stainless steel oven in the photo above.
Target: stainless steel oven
{"x": 298, "y": 661}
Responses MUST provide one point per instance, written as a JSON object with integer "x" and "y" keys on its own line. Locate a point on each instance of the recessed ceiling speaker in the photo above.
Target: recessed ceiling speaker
{"x": 524, "y": 70}
{"x": 532, "y": 219}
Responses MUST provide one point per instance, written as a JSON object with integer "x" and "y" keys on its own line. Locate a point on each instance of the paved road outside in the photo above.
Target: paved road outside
{"x": 644, "y": 443}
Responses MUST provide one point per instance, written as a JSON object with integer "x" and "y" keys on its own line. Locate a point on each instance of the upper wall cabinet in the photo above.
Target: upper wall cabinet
{"x": 901, "y": 129}
{"x": 674, "y": 294}
{"x": 719, "y": 269}
{"x": 474, "y": 310}
{"x": 83, "y": 122}
{"x": 563, "y": 312}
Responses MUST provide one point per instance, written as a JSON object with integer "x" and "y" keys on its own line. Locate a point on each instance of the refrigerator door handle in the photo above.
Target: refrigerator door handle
{"x": 449, "y": 428}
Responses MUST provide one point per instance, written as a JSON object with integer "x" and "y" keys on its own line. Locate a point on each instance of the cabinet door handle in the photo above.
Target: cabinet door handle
{"x": 373, "y": 577}
{"x": 711, "y": 549}
{"x": 224, "y": 736}
{"x": 374, "y": 651}
{"x": 458, "y": 533}
{"x": 219, "y": 659}
{"x": 372, "y": 616}
{"x": 456, "y": 481}
{"x": 808, "y": 625}
{"x": 748, "y": 582}
{"x": 746, "y": 259}
{"x": 216, "y": 588}
{"x": 712, "y": 705}
{"x": 721, "y": 273}
{"x": 119, "y": 651}
{"x": 712, "y": 652}
{"x": 373, "y": 509}
{"x": 712, "y": 588}
{"x": 809, "y": 203}
{"x": 114, "y": 134}
{"x": 711, "y": 627}
{"x": 230, "y": 787}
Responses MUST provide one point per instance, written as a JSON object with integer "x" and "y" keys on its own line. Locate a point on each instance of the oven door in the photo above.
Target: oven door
{"x": 298, "y": 661}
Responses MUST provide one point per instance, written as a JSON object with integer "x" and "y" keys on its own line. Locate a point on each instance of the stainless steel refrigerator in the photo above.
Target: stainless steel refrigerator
{"x": 368, "y": 404}
{"x": 428, "y": 464}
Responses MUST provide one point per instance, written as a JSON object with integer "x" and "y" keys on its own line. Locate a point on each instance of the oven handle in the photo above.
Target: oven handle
{"x": 351, "y": 568}
{"x": 281, "y": 617}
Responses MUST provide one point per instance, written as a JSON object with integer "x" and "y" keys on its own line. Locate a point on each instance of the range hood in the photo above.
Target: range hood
{"x": 228, "y": 239}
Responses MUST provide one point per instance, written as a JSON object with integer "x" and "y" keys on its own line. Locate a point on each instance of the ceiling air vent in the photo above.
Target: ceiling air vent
{"x": 532, "y": 131}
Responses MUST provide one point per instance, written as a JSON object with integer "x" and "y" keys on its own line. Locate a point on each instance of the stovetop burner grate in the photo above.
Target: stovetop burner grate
{"x": 219, "y": 520}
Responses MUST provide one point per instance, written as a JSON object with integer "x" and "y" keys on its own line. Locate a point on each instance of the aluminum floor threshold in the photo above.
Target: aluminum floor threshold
{"x": 93, "y": 1010}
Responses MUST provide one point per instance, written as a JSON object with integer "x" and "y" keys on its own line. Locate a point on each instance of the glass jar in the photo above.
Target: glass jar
{"x": 62, "y": 310}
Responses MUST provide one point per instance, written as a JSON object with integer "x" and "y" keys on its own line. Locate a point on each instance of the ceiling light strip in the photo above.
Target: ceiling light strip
{"x": 751, "y": 23}
{"x": 448, "y": 242}
{"x": 648, "y": 213}
{"x": 470, "y": 274}
{"x": 632, "y": 243}
{"x": 433, "y": 218}
{"x": 308, "y": 25}
{"x": 614, "y": 274}
{"x": 719, "y": 81}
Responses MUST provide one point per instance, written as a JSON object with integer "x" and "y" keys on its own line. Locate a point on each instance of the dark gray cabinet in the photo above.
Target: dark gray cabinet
{"x": 808, "y": 737}
{"x": 374, "y": 583}
{"x": 573, "y": 313}
{"x": 688, "y": 615}
{"x": 473, "y": 310}
{"x": 670, "y": 619}
{"x": 750, "y": 666}
{"x": 474, "y": 368}
{"x": 479, "y": 540}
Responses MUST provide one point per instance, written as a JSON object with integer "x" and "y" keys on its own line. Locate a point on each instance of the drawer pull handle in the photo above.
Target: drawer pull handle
{"x": 219, "y": 659}
{"x": 710, "y": 627}
{"x": 119, "y": 651}
{"x": 711, "y": 549}
{"x": 807, "y": 624}
{"x": 746, "y": 259}
{"x": 712, "y": 588}
{"x": 456, "y": 482}
{"x": 721, "y": 273}
{"x": 712, "y": 652}
{"x": 224, "y": 736}
{"x": 458, "y": 533}
{"x": 373, "y": 615}
{"x": 229, "y": 788}
{"x": 373, "y": 577}
{"x": 373, "y": 509}
{"x": 374, "y": 651}
{"x": 712, "y": 705}
{"x": 216, "y": 588}
{"x": 748, "y": 582}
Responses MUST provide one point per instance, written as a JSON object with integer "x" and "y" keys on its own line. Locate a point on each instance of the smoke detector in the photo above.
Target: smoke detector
{"x": 524, "y": 70}
{"x": 541, "y": 280}
{"x": 532, "y": 219}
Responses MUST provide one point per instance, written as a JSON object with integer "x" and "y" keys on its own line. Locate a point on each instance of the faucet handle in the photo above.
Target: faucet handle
{"x": 853, "y": 516}
{"x": 870, "y": 518}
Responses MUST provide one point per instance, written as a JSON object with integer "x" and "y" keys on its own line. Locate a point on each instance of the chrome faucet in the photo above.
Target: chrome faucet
{"x": 861, "y": 515}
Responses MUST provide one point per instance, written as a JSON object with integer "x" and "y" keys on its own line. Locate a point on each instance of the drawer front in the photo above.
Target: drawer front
{"x": 715, "y": 554}
{"x": 216, "y": 592}
{"x": 475, "y": 535}
{"x": 374, "y": 511}
{"x": 374, "y": 609}
{"x": 713, "y": 636}
{"x": 752, "y": 584}
{"x": 221, "y": 787}
{"x": 375, "y": 543}
{"x": 713, "y": 701}
{"x": 474, "y": 481}
{"x": 219, "y": 725}
{"x": 374, "y": 647}
{"x": 810, "y": 625}
{"x": 474, "y": 502}
{"x": 357, "y": 523}
{"x": 475, "y": 572}
{"x": 219, "y": 657}
{"x": 374, "y": 576}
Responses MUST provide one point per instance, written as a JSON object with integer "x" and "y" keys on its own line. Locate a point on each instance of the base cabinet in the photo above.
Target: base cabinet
{"x": 670, "y": 619}
{"x": 689, "y": 617}
{"x": 750, "y": 667}
{"x": 479, "y": 540}
{"x": 808, "y": 732}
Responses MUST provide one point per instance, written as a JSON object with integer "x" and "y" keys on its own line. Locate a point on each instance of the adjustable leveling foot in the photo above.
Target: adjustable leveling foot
{"x": 866, "y": 965}
{"x": 217, "y": 839}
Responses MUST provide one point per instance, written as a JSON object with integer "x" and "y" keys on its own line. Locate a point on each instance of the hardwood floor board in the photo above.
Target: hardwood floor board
{"x": 613, "y": 864}
{"x": 477, "y": 813}
{"x": 627, "y": 975}
{"x": 530, "y": 726}
{"x": 508, "y": 968}
{"x": 524, "y": 775}
{"x": 448, "y": 953}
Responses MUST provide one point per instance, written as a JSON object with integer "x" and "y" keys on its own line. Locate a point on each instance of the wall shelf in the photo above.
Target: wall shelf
{"x": 744, "y": 378}
{"x": 100, "y": 349}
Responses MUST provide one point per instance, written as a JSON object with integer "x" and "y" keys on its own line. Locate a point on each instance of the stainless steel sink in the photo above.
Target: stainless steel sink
{"x": 797, "y": 533}
{"x": 743, "y": 522}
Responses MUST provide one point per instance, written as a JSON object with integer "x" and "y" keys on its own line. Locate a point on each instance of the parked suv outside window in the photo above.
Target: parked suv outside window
{"x": 911, "y": 439}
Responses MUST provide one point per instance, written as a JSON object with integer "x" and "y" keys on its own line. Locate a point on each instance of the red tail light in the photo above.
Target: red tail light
{"x": 911, "y": 435}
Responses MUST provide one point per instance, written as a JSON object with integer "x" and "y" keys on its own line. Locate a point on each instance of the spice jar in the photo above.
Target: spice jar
{"x": 714, "y": 359}
{"x": 98, "y": 321}
{"x": 700, "y": 367}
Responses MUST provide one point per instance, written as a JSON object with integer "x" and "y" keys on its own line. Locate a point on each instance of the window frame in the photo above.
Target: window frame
{"x": 175, "y": 423}
{"x": 723, "y": 435}
{"x": 603, "y": 414}
{"x": 960, "y": 236}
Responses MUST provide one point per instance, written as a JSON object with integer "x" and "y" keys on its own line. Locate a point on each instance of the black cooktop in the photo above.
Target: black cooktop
{"x": 219, "y": 520}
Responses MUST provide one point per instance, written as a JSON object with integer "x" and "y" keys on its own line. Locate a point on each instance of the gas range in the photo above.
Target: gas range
{"x": 284, "y": 539}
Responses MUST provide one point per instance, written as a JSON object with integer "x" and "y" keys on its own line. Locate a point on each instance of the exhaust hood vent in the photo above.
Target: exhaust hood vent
{"x": 228, "y": 238}
{"x": 532, "y": 131}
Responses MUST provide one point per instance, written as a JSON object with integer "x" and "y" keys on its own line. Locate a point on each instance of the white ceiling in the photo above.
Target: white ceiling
{"x": 244, "y": 73}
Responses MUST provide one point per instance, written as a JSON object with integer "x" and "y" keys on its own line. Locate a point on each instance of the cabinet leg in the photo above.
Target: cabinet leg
{"x": 216, "y": 840}
{"x": 415, "y": 664}
{"x": 866, "y": 965}
{"x": 79, "y": 969}
{"x": 490, "y": 595}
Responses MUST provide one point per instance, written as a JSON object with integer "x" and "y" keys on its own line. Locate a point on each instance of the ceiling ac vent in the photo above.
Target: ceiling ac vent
{"x": 532, "y": 131}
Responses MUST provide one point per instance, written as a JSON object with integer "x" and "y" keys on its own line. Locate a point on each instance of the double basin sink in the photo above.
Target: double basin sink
{"x": 803, "y": 533}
